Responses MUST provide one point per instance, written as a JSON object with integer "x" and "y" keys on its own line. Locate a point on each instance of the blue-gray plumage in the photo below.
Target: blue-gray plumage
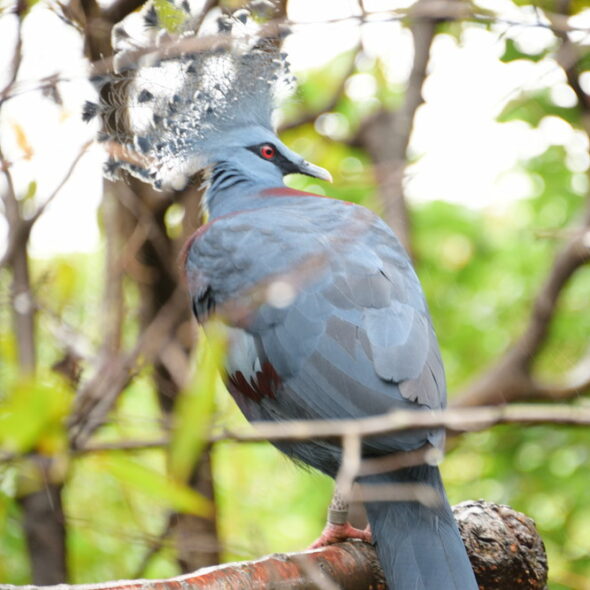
{"x": 348, "y": 336}
{"x": 325, "y": 315}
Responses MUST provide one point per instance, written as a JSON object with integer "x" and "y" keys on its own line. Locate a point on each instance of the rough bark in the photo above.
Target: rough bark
{"x": 504, "y": 547}
{"x": 45, "y": 532}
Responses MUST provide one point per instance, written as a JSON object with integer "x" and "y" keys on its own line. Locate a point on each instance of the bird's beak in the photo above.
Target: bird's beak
{"x": 315, "y": 171}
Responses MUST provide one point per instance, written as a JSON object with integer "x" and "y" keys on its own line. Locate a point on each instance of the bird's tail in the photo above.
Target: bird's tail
{"x": 419, "y": 547}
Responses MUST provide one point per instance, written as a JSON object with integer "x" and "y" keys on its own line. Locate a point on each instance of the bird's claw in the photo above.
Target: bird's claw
{"x": 336, "y": 533}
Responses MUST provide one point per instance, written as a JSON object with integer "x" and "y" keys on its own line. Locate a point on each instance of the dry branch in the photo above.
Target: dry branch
{"x": 21, "y": 227}
{"x": 98, "y": 23}
{"x": 97, "y": 396}
{"x": 466, "y": 419}
{"x": 511, "y": 378}
{"x": 457, "y": 419}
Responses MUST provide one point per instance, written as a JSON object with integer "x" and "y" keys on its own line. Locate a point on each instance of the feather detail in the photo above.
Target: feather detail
{"x": 177, "y": 90}
{"x": 264, "y": 383}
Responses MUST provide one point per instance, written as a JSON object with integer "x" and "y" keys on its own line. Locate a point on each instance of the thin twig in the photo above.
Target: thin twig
{"x": 350, "y": 466}
{"x": 15, "y": 65}
{"x": 21, "y": 230}
{"x": 456, "y": 419}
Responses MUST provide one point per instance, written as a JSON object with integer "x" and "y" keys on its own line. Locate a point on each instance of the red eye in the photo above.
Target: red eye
{"x": 268, "y": 151}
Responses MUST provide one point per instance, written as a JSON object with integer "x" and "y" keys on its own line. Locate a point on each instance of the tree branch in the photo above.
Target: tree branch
{"x": 457, "y": 419}
{"x": 386, "y": 134}
{"x": 460, "y": 419}
{"x": 42, "y": 509}
{"x": 503, "y": 545}
{"x": 511, "y": 378}
{"x": 97, "y": 395}
{"x": 20, "y": 229}
{"x": 15, "y": 64}
{"x": 23, "y": 308}
{"x": 568, "y": 57}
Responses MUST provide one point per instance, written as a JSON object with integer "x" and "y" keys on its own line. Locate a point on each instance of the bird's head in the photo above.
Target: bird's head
{"x": 257, "y": 153}
{"x": 174, "y": 112}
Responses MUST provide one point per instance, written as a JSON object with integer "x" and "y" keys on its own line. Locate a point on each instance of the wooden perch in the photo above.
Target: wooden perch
{"x": 503, "y": 545}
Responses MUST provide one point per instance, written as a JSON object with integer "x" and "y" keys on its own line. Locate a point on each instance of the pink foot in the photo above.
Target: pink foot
{"x": 336, "y": 533}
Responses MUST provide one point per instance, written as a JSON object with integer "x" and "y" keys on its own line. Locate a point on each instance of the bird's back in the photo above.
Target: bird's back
{"x": 327, "y": 318}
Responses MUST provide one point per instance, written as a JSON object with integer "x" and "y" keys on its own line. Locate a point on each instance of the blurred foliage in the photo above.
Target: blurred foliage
{"x": 480, "y": 270}
{"x": 169, "y": 16}
{"x": 513, "y": 51}
{"x": 533, "y": 109}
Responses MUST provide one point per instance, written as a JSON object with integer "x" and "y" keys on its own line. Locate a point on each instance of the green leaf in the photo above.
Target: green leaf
{"x": 532, "y": 109}
{"x": 194, "y": 409}
{"x": 31, "y": 191}
{"x": 157, "y": 485}
{"x": 170, "y": 17}
{"x": 33, "y": 415}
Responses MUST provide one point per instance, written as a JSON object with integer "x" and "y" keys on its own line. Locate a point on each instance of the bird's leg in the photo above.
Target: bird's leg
{"x": 337, "y": 527}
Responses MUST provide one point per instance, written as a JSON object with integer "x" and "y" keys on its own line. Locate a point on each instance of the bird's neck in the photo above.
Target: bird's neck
{"x": 231, "y": 189}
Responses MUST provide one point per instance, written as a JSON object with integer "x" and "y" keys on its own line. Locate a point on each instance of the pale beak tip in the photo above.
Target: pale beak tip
{"x": 316, "y": 171}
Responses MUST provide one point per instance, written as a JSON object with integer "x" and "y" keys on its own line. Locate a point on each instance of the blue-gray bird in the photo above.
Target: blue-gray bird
{"x": 325, "y": 316}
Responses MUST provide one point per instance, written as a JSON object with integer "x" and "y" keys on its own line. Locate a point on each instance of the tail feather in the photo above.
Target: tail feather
{"x": 419, "y": 547}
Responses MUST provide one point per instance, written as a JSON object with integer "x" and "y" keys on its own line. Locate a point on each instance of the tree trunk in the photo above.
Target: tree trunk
{"x": 45, "y": 531}
{"x": 195, "y": 537}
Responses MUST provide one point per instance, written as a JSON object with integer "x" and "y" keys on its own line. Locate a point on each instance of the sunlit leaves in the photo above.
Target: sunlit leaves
{"x": 31, "y": 191}
{"x": 64, "y": 283}
{"x": 173, "y": 220}
{"x": 534, "y": 108}
{"x": 316, "y": 87}
{"x": 32, "y": 415}
{"x": 513, "y": 52}
{"x": 156, "y": 485}
{"x": 170, "y": 17}
{"x": 8, "y": 355}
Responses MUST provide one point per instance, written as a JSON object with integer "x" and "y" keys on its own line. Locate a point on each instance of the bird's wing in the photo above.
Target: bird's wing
{"x": 323, "y": 295}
